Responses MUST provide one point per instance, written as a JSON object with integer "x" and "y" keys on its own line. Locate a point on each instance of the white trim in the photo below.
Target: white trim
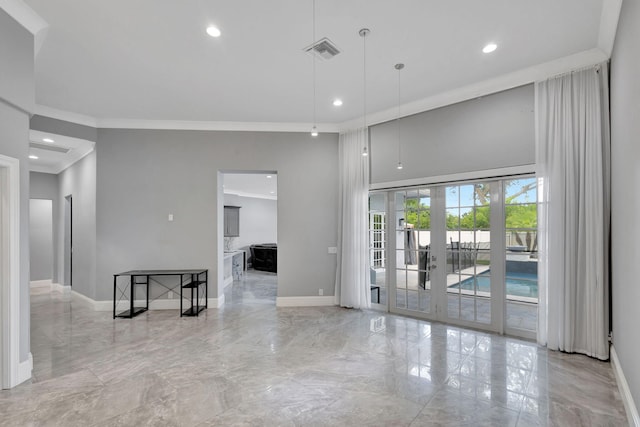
{"x": 609, "y": 25}
{"x": 84, "y": 300}
{"x": 67, "y": 116}
{"x": 219, "y": 126}
{"x": 57, "y": 287}
{"x": 36, "y": 284}
{"x": 29, "y": 19}
{"x": 305, "y": 301}
{"x": 227, "y": 281}
{"x": 216, "y": 302}
{"x": 159, "y": 304}
{"x": 486, "y": 87}
{"x": 24, "y": 369}
{"x": 625, "y": 392}
{"x": 475, "y": 90}
{"x": 10, "y": 281}
{"x": 456, "y": 177}
{"x": 24, "y": 15}
{"x": 250, "y": 195}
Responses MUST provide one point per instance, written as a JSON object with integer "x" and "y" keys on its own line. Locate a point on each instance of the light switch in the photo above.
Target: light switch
{"x": 170, "y": 217}
{"x": 333, "y": 250}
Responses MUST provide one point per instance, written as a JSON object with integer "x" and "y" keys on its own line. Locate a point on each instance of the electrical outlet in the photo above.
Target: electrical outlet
{"x": 321, "y": 292}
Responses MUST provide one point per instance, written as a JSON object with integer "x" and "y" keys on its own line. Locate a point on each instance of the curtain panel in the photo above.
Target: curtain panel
{"x": 573, "y": 168}
{"x": 352, "y": 288}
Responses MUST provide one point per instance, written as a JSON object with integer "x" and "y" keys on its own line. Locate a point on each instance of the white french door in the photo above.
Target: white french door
{"x": 463, "y": 254}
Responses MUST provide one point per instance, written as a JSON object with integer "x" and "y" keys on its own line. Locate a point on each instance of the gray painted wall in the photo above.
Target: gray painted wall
{"x": 16, "y": 102}
{"x": 79, "y": 181}
{"x": 45, "y": 186}
{"x": 490, "y": 132}
{"x": 16, "y": 65}
{"x": 144, "y": 175}
{"x": 258, "y": 220}
{"x": 625, "y": 156}
{"x": 41, "y": 239}
{"x": 60, "y": 127}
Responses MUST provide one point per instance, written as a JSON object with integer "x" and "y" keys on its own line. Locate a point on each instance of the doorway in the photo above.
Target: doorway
{"x": 41, "y": 243}
{"x": 250, "y": 232}
{"x": 68, "y": 241}
{"x": 463, "y": 254}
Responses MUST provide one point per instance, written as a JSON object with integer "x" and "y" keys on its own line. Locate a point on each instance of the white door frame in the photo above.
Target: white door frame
{"x": 10, "y": 271}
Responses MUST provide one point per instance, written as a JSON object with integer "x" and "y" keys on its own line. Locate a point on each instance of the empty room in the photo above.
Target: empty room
{"x": 319, "y": 212}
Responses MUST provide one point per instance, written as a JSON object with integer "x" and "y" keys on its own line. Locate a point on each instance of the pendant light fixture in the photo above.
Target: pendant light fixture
{"x": 399, "y": 67}
{"x": 364, "y": 33}
{"x": 314, "y": 129}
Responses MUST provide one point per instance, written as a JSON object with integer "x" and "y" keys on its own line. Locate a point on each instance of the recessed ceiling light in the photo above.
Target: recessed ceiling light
{"x": 272, "y": 192}
{"x": 47, "y": 140}
{"x": 337, "y": 102}
{"x": 490, "y": 48}
{"x": 269, "y": 176}
{"x": 213, "y": 31}
{"x": 32, "y": 157}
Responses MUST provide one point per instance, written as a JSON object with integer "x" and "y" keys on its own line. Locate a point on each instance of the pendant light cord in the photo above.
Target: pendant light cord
{"x": 364, "y": 81}
{"x": 313, "y": 58}
{"x": 398, "y": 119}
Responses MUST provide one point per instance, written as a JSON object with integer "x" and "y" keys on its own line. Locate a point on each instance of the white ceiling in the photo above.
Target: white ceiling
{"x": 152, "y": 60}
{"x": 260, "y": 185}
{"x": 50, "y": 155}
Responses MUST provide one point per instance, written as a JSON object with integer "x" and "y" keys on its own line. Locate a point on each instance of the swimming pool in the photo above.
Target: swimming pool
{"x": 518, "y": 284}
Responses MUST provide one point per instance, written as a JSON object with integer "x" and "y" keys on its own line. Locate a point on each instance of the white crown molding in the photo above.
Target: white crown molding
{"x": 215, "y": 126}
{"x": 609, "y": 25}
{"x": 24, "y": 15}
{"x": 67, "y": 116}
{"x": 29, "y": 19}
{"x": 487, "y": 87}
{"x": 504, "y": 82}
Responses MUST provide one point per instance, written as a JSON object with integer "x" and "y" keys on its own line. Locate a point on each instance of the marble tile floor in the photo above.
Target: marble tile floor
{"x": 252, "y": 364}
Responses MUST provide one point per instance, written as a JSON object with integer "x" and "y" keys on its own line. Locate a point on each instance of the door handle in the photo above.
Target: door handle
{"x": 432, "y": 266}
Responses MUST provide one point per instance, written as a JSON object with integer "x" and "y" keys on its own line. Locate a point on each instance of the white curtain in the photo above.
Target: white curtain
{"x": 573, "y": 166}
{"x": 352, "y": 276}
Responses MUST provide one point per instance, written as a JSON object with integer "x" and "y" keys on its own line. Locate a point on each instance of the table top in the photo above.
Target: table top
{"x": 160, "y": 272}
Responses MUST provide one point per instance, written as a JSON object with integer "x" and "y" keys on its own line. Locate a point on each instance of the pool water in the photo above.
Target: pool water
{"x": 518, "y": 284}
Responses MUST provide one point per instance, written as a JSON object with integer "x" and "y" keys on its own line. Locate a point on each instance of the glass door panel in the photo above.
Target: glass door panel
{"x": 468, "y": 244}
{"x": 521, "y": 225}
{"x": 413, "y": 243}
{"x": 378, "y": 248}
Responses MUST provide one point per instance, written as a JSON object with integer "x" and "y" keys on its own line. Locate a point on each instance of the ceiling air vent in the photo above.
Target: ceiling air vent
{"x": 47, "y": 147}
{"x": 323, "y": 49}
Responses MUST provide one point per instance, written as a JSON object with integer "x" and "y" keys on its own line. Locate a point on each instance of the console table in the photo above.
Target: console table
{"x": 126, "y": 283}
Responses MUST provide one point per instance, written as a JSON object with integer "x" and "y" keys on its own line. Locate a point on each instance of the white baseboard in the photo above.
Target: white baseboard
{"x": 305, "y": 301}
{"x": 57, "y": 287}
{"x": 24, "y": 369}
{"x": 35, "y": 284}
{"x": 216, "y": 302}
{"x": 625, "y": 392}
{"x": 159, "y": 304}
